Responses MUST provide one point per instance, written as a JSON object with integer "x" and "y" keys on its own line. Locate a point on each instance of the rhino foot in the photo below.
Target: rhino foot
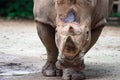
{"x": 70, "y": 74}
{"x": 50, "y": 70}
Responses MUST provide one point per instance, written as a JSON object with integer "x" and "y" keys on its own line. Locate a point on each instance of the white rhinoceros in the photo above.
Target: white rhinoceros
{"x": 68, "y": 29}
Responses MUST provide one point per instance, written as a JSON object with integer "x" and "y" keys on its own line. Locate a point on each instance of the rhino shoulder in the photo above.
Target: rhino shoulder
{"x": 44, "y": 11}
{"x": 101, "y": 12}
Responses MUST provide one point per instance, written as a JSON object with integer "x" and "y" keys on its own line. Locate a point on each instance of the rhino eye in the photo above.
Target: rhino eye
{"x": 87, "y": 35}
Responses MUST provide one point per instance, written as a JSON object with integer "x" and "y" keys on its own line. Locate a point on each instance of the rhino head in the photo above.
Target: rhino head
{"x": 73, "y": 31}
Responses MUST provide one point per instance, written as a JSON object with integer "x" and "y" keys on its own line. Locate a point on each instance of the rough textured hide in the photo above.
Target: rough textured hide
{"x": 68, "y": 29}
{"x": 44, "y": 11}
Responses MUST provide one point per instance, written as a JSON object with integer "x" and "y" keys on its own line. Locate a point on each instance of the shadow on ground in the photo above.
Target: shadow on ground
{"x": 93, "y": 71}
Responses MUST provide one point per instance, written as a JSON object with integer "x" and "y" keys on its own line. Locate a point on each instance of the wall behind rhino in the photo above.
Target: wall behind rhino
{"x": 116, "y": 9}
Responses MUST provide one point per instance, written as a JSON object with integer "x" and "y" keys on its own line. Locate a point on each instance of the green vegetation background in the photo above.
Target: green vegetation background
{"x": 16, "y": 9}
{"x": 22, "y": 9}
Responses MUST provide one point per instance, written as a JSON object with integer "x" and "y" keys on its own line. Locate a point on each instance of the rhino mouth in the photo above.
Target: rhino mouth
{"x": 66, "y": 62}
{"x": 70, "y": 50}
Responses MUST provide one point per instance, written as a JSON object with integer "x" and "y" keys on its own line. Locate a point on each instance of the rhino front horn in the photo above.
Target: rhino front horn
{"x": 70, "y": 48}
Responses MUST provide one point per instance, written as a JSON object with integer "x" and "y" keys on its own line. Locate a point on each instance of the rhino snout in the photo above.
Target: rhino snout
{"x": 69, "y": 49}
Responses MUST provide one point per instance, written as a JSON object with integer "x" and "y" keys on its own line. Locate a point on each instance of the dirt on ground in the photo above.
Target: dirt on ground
{"x": 22, "y": 54}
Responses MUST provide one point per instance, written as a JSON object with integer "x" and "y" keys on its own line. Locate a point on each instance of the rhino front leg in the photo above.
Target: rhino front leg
{"x": 71, "y": 74}
{"x": 47, "y": 36}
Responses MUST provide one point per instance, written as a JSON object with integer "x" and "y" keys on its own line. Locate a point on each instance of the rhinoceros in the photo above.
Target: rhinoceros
{"x": 68, "y": 29}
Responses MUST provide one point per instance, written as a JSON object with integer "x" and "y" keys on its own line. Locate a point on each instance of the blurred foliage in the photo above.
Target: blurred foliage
{"x": 22, "y": 9}
{"x": 115, "y": 14}
{"x": 16, "y": 9}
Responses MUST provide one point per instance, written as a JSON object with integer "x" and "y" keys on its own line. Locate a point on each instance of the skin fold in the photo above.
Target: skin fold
{"x": 68, "y": 29}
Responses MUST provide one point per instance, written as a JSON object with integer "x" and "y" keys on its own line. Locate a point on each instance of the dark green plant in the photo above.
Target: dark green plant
{"x": 115, "y": 14}
{"x": 22, "y": 9}
{"x": 16, "y": 8}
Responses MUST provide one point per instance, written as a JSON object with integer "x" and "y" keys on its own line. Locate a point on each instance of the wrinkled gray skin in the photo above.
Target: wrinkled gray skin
{"x": 68, "y": 29}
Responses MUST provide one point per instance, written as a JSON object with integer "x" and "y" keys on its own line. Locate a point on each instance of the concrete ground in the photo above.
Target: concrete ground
{"x": 22, "y": 54}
